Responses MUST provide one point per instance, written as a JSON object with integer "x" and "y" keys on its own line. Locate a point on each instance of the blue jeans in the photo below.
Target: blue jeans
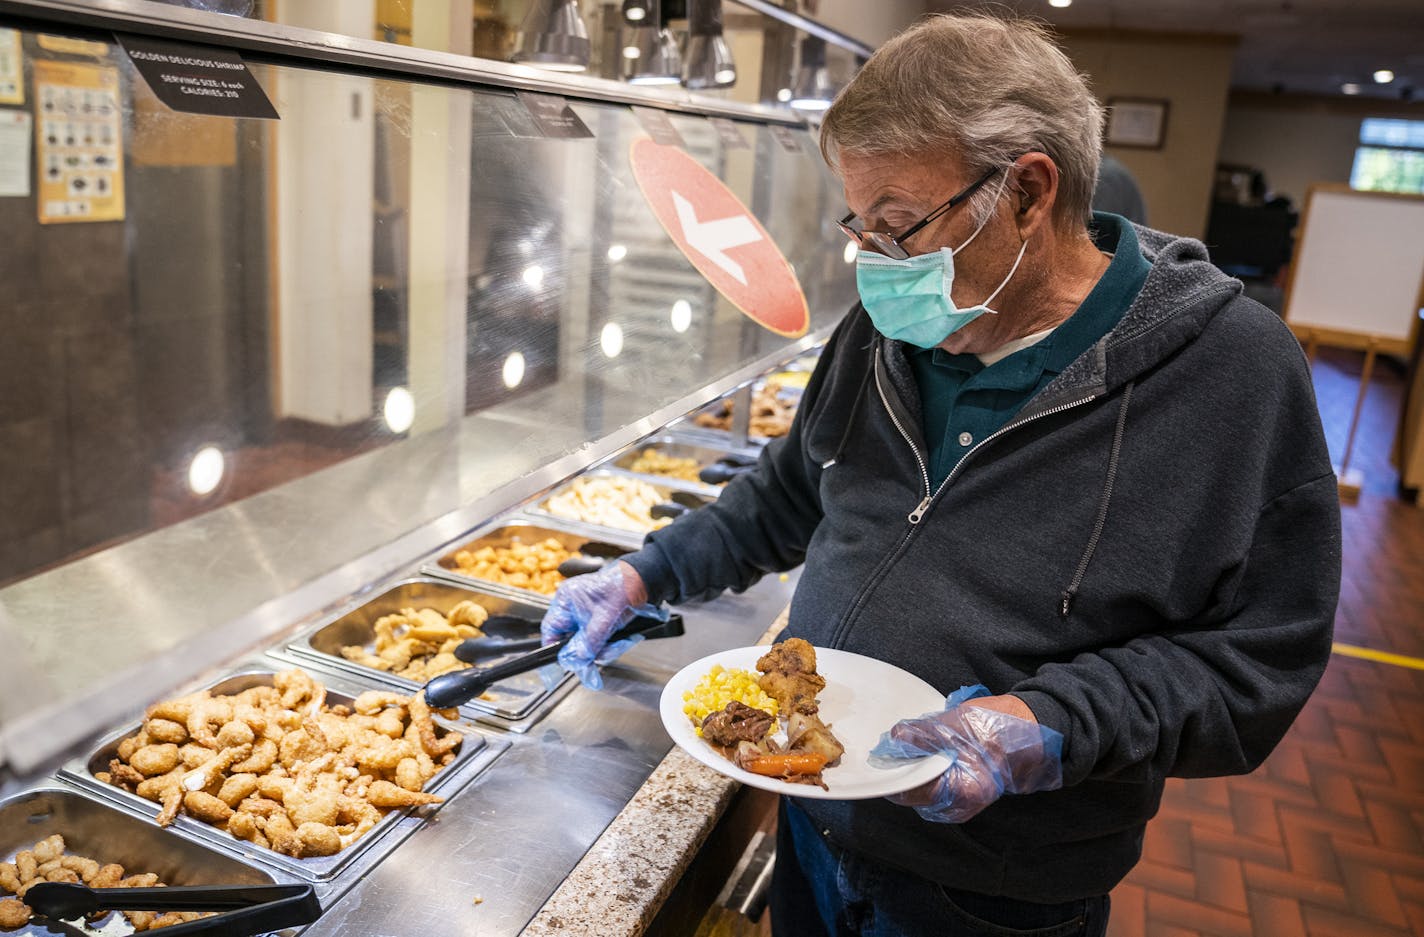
{"x": 821, "y": 891}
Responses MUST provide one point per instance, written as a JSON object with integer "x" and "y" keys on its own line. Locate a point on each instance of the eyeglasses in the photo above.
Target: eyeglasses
{"x": 891, "y": 245}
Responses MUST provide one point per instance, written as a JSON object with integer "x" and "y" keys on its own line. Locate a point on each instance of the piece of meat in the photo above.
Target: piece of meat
{"x": 736, "y": 722}
{"x": 789, "y": 676}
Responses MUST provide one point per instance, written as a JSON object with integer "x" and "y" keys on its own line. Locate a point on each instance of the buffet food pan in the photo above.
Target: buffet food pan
{"x": 512, "y": 699}
{"x": 528, "y": 531}
{"x": 678, "y": 495}
{"x": 319, "y": 869}
{"x": 676, "y": 447}
{"x": 96, "y": 830}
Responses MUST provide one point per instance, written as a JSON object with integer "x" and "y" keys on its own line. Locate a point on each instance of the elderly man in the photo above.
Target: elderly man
{"x": 1052, "y": 459}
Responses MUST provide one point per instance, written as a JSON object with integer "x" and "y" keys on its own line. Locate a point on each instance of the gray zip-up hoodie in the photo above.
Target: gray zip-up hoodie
{"x": 1148, "y": 554}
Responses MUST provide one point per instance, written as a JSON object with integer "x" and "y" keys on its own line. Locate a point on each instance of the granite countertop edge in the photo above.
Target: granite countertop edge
{"x": 622, "y": 881}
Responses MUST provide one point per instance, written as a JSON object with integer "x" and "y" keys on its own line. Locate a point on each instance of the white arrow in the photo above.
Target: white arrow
{"x": 712, "y": 239}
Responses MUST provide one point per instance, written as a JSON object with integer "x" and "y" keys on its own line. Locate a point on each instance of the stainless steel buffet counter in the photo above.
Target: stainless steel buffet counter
{"x": 537, "y": 793}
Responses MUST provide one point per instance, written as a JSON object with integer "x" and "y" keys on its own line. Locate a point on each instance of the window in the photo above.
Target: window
{"x": 1390, "y": 157}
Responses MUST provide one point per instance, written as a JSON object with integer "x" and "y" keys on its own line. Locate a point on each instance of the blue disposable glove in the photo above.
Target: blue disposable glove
{"x": 591, "y": 607}
{"x": 990, "y": 753}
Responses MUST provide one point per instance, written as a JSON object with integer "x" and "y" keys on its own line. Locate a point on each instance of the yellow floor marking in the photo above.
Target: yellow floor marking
{"x": 1383, "y": 657}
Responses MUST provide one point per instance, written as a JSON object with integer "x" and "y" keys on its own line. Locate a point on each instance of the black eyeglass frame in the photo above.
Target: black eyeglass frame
{"x": 892, "y": 245}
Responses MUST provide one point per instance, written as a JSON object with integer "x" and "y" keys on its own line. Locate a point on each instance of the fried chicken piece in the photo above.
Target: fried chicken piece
{"x": 49, "y": 849}
{"x": 237, "y": 788}
{"x": 245, "y": 826}
{"x": 206, "y": 807}
{"x": 9, "y": 877}
{"x": 166, "y": 730}
{"x": 263, "y": 757}
{"x": 85, "y": 868}
{"x": 202, "y": 716}
{"x": 386, "y": 794}
{"x": 318, "y": 839}
{"x": 373, "y": 701}
{"x": 283, "y": 835}
{"x": 789, "y": 676}
{"x": 155, "y": 759}
{"x": 108, "y": 876}
{"x": 27, "y": 866}
{"x": 122, "y": 775}
{"x": 737, "y": 722}
{"x": 14, "y": 914}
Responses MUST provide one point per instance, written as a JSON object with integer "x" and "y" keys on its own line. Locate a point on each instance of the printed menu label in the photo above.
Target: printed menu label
{"x": 551, "y": 112}
{"x": 789, "y": 139}
{"x": 199, "y": 79}
{"x": 12, "y": 76}
{"x": 79, "y": 142}
{"x": 658, "y": 125}
{"x": 728, "y": 133}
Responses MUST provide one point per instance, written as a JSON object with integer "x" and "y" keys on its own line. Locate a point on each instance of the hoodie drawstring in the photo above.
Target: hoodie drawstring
{"x": 1065, "y": 606}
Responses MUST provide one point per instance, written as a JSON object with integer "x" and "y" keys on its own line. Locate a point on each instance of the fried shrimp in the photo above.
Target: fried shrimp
{"x": 276, "y": 767}
{"x": 386, "y": 794}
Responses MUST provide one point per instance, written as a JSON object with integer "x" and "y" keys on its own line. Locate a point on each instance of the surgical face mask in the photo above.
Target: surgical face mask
{"x": 910, "y": 300}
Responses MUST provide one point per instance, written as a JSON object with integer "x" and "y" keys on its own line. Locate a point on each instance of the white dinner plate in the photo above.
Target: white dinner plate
{"x": 863, "y": 698}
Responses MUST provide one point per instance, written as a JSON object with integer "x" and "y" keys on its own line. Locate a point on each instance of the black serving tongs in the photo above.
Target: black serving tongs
{"x": 452, "y": 689}
{"x": 247, "y": 909}
{"x": 681, "y": 503}
{"x": 726, "y": 468}
{"x": 591, "y": 557}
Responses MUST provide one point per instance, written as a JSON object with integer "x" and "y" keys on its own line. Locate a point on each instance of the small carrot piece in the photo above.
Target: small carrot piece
{"x": 786, "y": 763}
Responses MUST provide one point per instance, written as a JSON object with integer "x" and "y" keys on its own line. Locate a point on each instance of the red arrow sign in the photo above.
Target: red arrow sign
{"x": 721, "y": 237}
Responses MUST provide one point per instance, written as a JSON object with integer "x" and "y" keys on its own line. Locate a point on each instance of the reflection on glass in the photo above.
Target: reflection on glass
{"x": 205, "y": 472}
{"x": 611, "y": 340}
{"x": 681, "y": 315}
{"x": 399, "y": 411}
{"x": 513, "y": 371}
{"x": 284, "y": 311}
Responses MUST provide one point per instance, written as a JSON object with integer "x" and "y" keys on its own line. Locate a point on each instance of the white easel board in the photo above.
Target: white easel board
{"x": 1357, "y": 278}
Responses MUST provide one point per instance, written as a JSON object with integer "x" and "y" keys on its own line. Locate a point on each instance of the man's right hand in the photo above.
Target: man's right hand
{"x": 591, "y": 608}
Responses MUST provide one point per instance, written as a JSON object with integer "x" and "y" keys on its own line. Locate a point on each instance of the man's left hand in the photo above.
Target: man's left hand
{"x": 994, "y": 746}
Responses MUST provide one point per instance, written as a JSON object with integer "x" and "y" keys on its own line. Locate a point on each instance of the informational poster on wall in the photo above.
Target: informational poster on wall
{"x": 14, "y": 153}
{"x": 78, "y": 142}
{"x": 12, "y": 74}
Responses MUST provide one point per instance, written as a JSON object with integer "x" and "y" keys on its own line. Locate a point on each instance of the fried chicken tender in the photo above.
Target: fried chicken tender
{"x": 166, "y": 730}
{"x": 789, "y": 676}
{"x": 155, "y": 759}
{"x": 206, "y": 807}
{"x": 14, "y": 914}
{"x": 318, "y": 839}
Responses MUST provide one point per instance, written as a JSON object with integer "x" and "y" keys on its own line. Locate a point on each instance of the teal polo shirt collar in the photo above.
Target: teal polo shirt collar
{"x": 962, "y": 400}
{"x": 1100, "y": 310}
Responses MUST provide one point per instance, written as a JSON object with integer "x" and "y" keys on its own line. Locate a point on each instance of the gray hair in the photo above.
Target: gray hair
{"x": 983, "y": 88}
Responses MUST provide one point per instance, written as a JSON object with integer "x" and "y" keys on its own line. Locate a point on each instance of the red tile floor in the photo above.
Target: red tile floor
{"x": 1326, "y": 839}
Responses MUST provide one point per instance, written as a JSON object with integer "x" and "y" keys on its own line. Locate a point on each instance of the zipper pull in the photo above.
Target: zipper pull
{"x": 919, "y": 510}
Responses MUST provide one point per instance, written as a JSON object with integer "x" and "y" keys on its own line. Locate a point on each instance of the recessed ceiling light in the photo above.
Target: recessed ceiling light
{"x": 399, "y": 410}
{"x": 206, "y": 470}
{"x": 1060, "y": 3}
{"x": 1384, "y": 76}
{"x": 1350, "y": 88}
